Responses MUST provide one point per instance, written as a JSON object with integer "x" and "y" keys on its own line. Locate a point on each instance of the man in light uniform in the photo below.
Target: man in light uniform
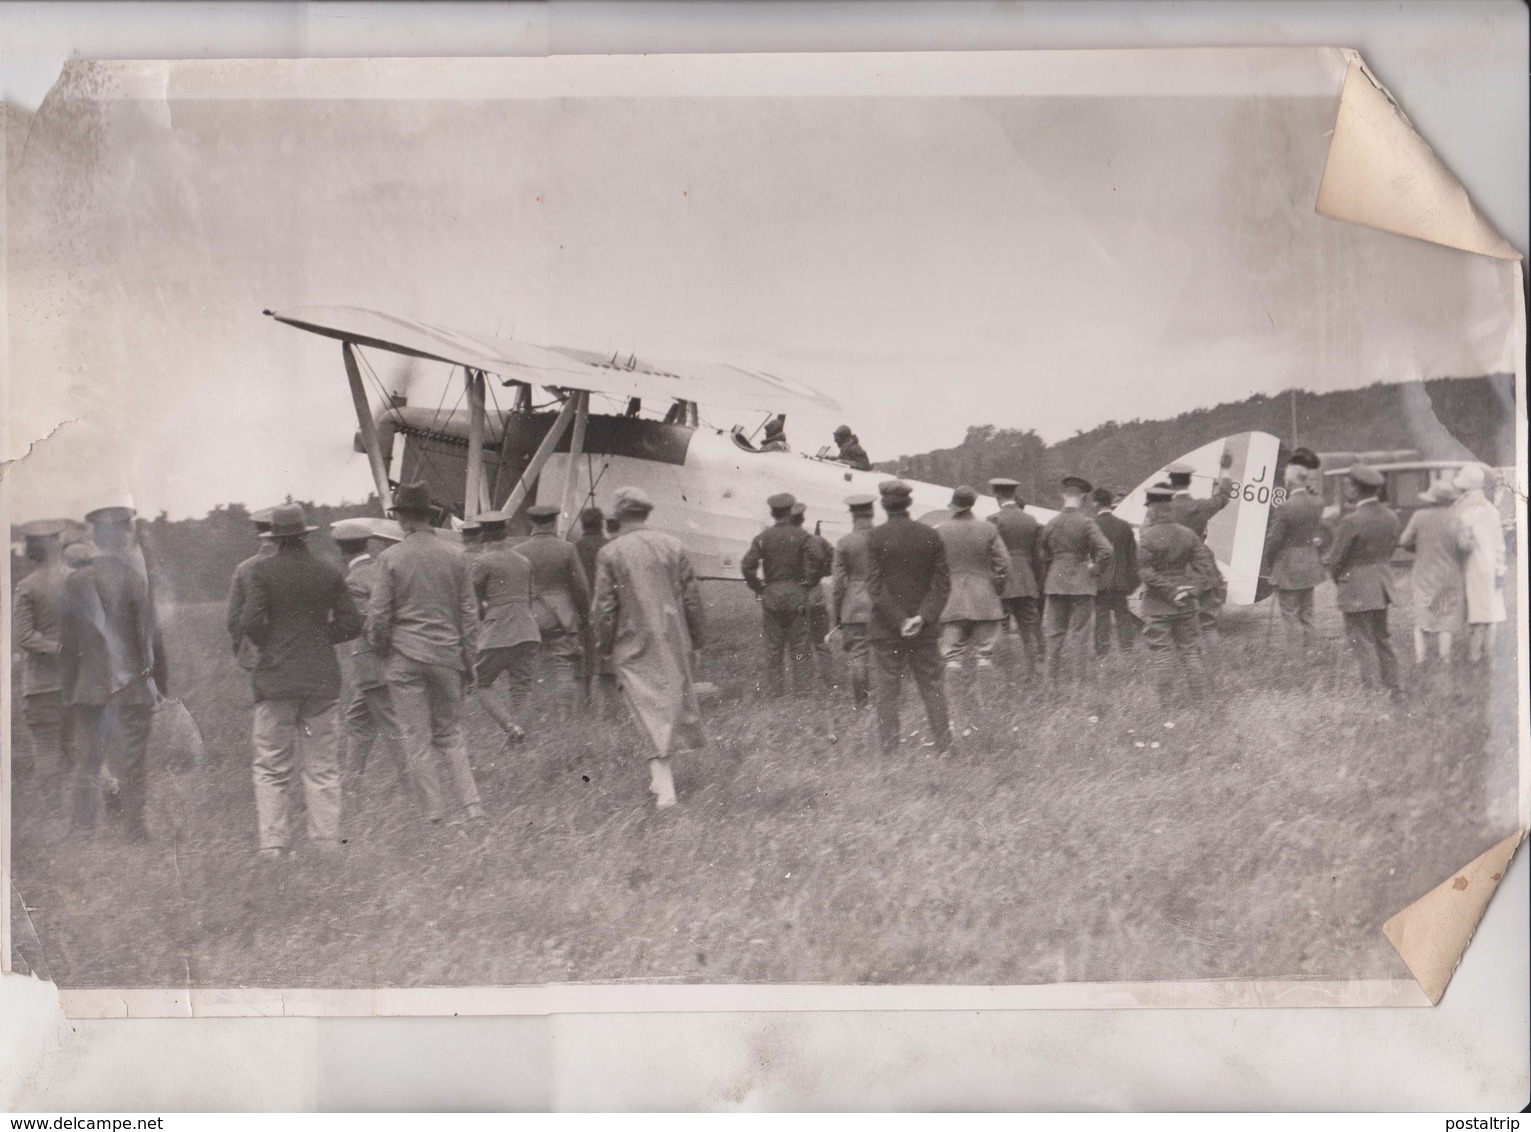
{"x": 1022, "y": 598}
{"x": 423, "y": 622}
{"x": 850, "y": 599}
{"x": 367, "y": 709}
{"x": 35, "y": 610}
{"x": 1075, "y": 553}
{"x": 509, "y": 642}
{"x": 560, "y": 597}
{"x": 979, "y": 566}
{"x": 648, "y": 620}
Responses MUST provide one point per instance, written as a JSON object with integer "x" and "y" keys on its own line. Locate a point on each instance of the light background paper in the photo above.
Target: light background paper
{"x": 1460, "y": 79}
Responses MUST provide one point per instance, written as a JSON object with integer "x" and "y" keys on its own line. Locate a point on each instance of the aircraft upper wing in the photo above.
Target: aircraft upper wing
{"x": 708, "y": 383}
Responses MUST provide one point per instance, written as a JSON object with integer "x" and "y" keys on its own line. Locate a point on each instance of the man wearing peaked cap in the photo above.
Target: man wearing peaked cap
{"x": 245, "y": 654}
{"x": 850, "y": 600}
{"x": 1172, "y": 563}
{"x": 1075, "y": 554}
{"x": 818, "y": 604}
{"x": 1116, "y": 585}
{"x": 1022, "y": 596}
{"x": 509, "y": 641}
{"x": 1360, "y": 561}
{"x": 1294, "y": 533}
{"x": 112, "y": 671}
{"x": 297, "y": 610}
{"x": 648, "y": 621}
{"x": 367, "y": 709}
{"x": 35, "y": 609}
{"x": 909, "y": 582}
{"x": 422, "y": 621}
{"x": 781, "y": 565}
{"x": 1196, "y": 514}
{"x": 979, "y": 566}
{"x": 560, "y": 597}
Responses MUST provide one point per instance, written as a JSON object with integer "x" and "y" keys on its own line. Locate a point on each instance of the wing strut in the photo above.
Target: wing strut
{"x": 540, "y": 457}
{"x": 473, "y": 490}
{"x": 369, "y": 437}
{"x": 576, "y": 450}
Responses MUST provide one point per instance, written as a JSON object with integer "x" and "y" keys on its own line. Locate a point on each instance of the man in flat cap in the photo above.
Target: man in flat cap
{"x": 510, "y": 643}
{"x": 1022, "y": 597}
{"x": 779, "y": 567}
{"x": 1294, "y": 534}
{"x": 1117, "y": 584}
{"x": 245, "y": 653}
{"x": 979, "y": 566}
{"x": 851, "y": 601}
{"x": 851, "y": 451}
{"x": 298, "y": 608}
{"x": 367, "y": 709}
{"x": 909, "y": 582}
{"x": 560, "y": 598}
{"x": 112, "y": 670}
{"x": 423, "y": 622}
{"x": 1172, "y": 563}
{"x": 1075, "y": 554}
{"x": 1196, "y": 514}
{"x": 600, "y": 683}
{"x": 819, "y": 623}
{"x": 648, "y": 620}
{"x": 35, "y": 609}
{"x": 1360, "y": 562}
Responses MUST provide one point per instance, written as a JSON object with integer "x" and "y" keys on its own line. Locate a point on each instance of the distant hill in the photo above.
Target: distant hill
{"x": 1446, "y": 419}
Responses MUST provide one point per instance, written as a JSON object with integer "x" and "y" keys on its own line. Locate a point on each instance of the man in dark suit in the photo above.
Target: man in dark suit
{"x": 1022, "y": 596}
{"x": 1292, "y": 538}
{"x": 1360, "y": 561}
{"x": 1118, "y": 583}
{"x": 1076, "y": 554}
{"x": 908, "y": 581}
{"x": 781, "y": 564}
{"x": 111, "y": 670}
{"x": 297, "y": 609}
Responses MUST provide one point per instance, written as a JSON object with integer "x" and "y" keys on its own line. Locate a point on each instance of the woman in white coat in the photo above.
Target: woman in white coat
{"x": 1483, "y": 570}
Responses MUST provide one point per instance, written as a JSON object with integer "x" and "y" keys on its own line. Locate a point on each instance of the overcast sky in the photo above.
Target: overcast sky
{"x": 933, "y": 263}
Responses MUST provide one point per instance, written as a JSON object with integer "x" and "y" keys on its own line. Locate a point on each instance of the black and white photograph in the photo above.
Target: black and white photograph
{"x": 1009, "y": 520}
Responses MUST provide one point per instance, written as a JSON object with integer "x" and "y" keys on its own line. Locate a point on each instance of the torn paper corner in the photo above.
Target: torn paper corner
{"x": 1431, "y": 934}
{"x": 1381, "y": 173}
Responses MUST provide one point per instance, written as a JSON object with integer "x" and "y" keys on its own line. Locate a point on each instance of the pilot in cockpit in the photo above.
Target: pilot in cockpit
{"x": 851, "y": 451}
{"x": 775, "y": 435}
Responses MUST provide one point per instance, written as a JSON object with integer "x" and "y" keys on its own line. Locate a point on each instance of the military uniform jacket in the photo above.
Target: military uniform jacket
{"x": 1360, "y": 560}
{"x": 587, "y": 547}
{"x": 1197, "y": 513}
{"x": 782, "y": 562}
{"x": 560, "y": 590}
{"x": 979, "y": 564}
{"x": 502, "y": 582}
{"x": 1171, "y": 556}
{"x": 360, "y": 576}
{"x": 852, "y": 600}
{"x": 1074, "y": 552}
{"x": 907, "y": 575}
{"x": 1290, "y": 554}
{"x": 1023, "y": 539}
{"x": 109, "y": 642}
{"x": 35, "y": 622}
{"x": 1123, "y": 575}
{"x": 298, "y": 608}
{"x": 245, "y": 651}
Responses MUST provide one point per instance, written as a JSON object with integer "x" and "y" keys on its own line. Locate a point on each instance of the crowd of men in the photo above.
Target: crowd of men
{"x": 393, "y": 644}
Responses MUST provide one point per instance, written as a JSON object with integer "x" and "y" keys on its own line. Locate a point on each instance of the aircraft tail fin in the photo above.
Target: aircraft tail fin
{"x": 1236, "y": 533}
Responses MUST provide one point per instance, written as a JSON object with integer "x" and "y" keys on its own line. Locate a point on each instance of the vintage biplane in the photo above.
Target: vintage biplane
{"x": 548, "y": 445}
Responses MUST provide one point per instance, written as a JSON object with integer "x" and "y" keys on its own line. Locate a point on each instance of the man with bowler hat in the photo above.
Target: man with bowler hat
{"x": 1075, "y": 554}
{"x": 297, "y": 610}
{"x": 112, "y": 670}
{"x": 909, "y": 583}
{"x": 35, "y": 631}
{"x": 979, "y": 566}
{"x": 779, "y": 567}
{"x": 509, "y": 641}
{"x": 560, "y": 598}
{"x": 423, "y": 621}
{"x": 850, "y": 600}
{"x": 1360, "y": 562}
{"x": 1022, "y": 597}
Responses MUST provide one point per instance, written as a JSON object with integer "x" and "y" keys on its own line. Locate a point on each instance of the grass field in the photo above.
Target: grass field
{"x": 1267, "y": 836}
